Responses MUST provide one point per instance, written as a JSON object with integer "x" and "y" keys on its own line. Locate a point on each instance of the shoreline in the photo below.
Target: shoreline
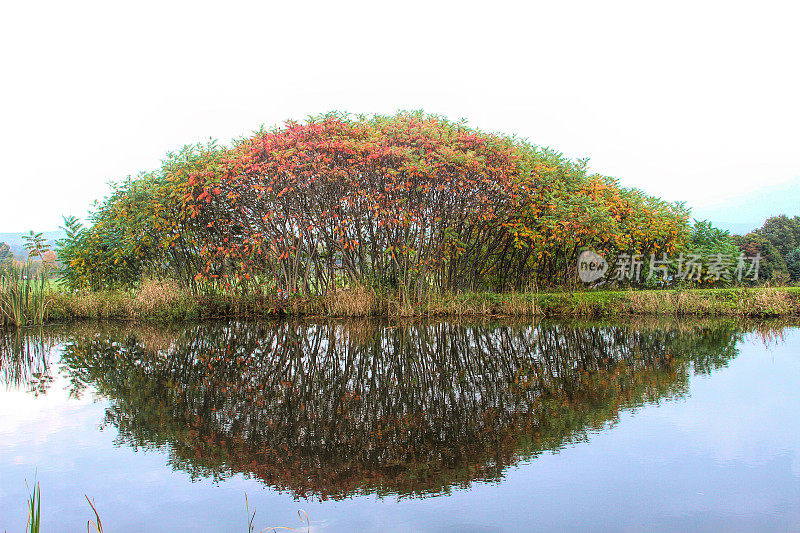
{"x": 162, "y": 303}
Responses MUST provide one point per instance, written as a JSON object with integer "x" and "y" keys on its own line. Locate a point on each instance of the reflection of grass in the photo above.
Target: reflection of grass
{"x": 23, "y": 359}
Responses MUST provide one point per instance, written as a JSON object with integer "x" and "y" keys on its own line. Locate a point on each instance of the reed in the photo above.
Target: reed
{"x": 353, "y": 301}
{"x": 34, "y": 510}
{"x": 23, "y": 295}
{"x": 97, "y": 524}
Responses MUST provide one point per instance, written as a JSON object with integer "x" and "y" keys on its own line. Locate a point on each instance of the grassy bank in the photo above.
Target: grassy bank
{"x": 166, "y": 301}
{"x": 730, "y": 302}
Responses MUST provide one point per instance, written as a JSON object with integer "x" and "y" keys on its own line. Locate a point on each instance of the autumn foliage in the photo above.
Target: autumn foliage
{"x": 411, "y": 202}
{"x": 330, "y": 410}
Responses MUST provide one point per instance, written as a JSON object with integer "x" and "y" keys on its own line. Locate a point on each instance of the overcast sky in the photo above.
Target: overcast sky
{"x": 686, "y": 100}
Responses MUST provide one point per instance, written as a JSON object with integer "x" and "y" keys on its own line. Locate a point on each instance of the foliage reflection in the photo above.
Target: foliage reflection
{"x": 328, "y": 410}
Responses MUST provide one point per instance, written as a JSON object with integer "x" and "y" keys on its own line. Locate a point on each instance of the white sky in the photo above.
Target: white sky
{"x": 687, "y": 100}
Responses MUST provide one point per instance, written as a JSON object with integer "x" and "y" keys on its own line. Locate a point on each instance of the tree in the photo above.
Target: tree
{"x": 793, "y": 265}
{"x": 411, "y": 201}
{"x": 69, "y": 252}
{"x": 5, "y": 253}
{"x": 713, "y": 245}
{"x": 783, "y": 232}
{"x": 36, "y": 245}
{"x": 753, "y": 244}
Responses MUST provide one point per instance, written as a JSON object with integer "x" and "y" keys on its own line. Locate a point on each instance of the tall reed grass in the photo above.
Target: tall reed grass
{"x": 760, "y": 302}
{"x": 23, "y": 295}
{"x": 34, "y": 511}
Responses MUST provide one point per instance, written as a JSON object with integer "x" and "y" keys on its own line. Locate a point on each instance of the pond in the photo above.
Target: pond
{"x": 425, "y": 426}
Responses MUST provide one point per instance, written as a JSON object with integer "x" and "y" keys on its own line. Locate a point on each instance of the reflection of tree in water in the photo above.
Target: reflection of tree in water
{"x": 329, "y": 410}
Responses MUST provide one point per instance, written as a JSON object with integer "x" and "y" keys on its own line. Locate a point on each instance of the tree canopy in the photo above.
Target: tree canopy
{"x": 408, "y": 201}
{"x": 778, "y": 243}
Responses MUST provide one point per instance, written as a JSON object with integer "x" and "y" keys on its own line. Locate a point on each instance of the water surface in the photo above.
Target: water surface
{"x": 368, "y": 426}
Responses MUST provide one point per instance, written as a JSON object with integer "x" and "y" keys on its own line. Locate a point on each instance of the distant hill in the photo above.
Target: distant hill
{"x": 744, "y": 213}
{"x": 17, "y": 245}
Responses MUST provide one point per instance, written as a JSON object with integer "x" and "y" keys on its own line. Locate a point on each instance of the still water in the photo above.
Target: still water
{"x": 432, "y": 426}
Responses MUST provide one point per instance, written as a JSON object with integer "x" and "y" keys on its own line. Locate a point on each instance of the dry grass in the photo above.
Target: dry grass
{"x": 651, "y": 303}
{"x": 728, "y": 302}
{"x": 154, "y": 298}
{"x": 353, "y": 301}
{"x": 87, "y": 304}
{"x": 516, "y": 304}
{"x": 435, "y": 304}
{"x": 158, "y": 297}
{"x": 166, "y": 300}
{"x": 767, "y": 302}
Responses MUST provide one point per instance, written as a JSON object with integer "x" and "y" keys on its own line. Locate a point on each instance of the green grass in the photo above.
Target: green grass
{"x": 24, "y": 295}
{"x": 738, "y": 302}
{"x": 35, "y": 513}
{"x": 167, "y": 302}
{"x": 34, "y": 510}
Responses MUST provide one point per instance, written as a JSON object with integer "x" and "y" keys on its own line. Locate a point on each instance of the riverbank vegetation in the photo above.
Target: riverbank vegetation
{"x": 403, "y": 215}
{"x": 24, "y": 295}
{"x": 166, "y": 301}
